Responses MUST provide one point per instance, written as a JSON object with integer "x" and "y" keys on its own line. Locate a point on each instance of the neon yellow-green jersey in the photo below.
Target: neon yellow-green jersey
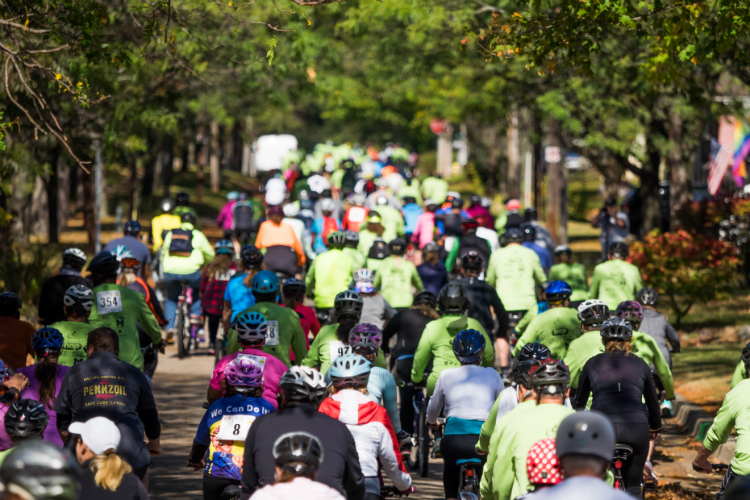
{"x": 556, "y": 328}
{"x": 329, "y": 275}
{"x": 615, "y": 281}
{"x": 395, "y": 276}
{"x": 76, "y": 337}
{"x": 733, "y": 414}
{"x": 327, "y": 347}
{"x": 515, "y": 271}
{"x": 574, "y": 275}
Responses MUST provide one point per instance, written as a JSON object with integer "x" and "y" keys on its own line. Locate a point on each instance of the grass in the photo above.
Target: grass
{"x": 732, "y": 310}
{"x": 703, "y": 373}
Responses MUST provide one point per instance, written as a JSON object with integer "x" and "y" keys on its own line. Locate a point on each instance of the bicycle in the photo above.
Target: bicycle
{"x": 623, "y": 452}
{"x": 220, "y": 349}
{"x": 186, "y": 327}
{"x": 468, "y": 486}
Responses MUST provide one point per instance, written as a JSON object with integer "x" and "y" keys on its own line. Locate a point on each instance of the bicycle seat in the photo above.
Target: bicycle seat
{"x": 623, "y": 451}
{"x": 468, "y": 461}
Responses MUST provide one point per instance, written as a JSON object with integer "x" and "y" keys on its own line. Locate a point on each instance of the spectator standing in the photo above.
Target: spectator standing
{"x": 15, "y": 335}
{"x": 615, "y": 225}
{"x": 53, "y": 289}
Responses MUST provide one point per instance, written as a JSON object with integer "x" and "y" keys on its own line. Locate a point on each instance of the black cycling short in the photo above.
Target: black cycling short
{"x": 455, "y": 447}
{"x": 228, "y": 233}
{"x": 635, "y": 435}
{"x": 213, "y": 486}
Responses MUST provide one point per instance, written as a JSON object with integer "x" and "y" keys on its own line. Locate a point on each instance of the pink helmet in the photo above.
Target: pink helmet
{"x": 631, "y": 311}
{"x": 243, "y": 372}
{"x": 365, "y": 337}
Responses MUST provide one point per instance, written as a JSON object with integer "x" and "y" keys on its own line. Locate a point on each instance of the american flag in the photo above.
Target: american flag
{"x": 719, "y": 159}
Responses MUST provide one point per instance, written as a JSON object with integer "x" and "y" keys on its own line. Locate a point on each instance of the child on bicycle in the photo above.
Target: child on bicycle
{"x": 213, "y": 286}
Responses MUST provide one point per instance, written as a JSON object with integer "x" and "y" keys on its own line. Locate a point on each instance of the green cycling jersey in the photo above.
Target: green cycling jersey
{"x": 75, "y": 337}
{"x": 515, "y": 271}
{"x": 329, "y": 275}
{"x": 437, "y": 342}
{"x": 615, "y": 281}
{"x": 327, "y": 347}
{"x": 435, "y": 189}
{"x": 739, "y": 375}
{"x": 733, "y": 414}
{"x": 585, "y": 347}
{"x": 574, "y": 275}
{"x": 527, "y": 319}
{"x": 394, "y": 278}
{"x": 555, "y": 328}
{"x": 359, "y": 261}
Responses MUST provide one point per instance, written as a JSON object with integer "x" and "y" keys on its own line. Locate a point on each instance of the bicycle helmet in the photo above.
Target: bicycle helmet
{"x": 430, "y": 247}
{"x": 42, "y": 471}
{"x": 469, "y": 224}
{"x": 542, "y": 464}
{"x": 291, "y": 210}
{"x": 265, "y": 282}
{"x": 429, "y": 202}
{"x": 182, "y": 198}
{"x": 26, "y": 418}
{"x": 132, "y": 228}
{"x": 74, "y": 257}
{"x": 425, "y": 297}
{"x": 593, "y": 312}
{"x": 104, "y": 264}
{"x": 475, "y": 199}
{"x": 233, "y": 195}
{"x": 746, "y": 354}
{"x": 336, "y": 239}
{"x": 472, "y": 261}
{"x": 251, "y": 257}
{"x": 167, "y": 205}
{"x": 408, "y": 200}
{"x": 397, "y": 246}
{"x": 457, "y": 203}
{"x": 129, "y": 264}
{"x": 631, "y": 311}
{"x": 364, "y": 275}
{"x": 648, "y": 296}
{"x": 188, "y": 218}
{"x": 616, "y": 329}
{"x": 563, "y": 249}
{"x": 513, "y": 235}
{"x": 586, "y": 433}
{"x": 547, "y": 375}
{"x": 352, "y": 238}
{"x": 348, "y": 303}
{"x": 521, "y": 373}
{"x": 453, "y": 299}
{"x": 350, "y": 371}
{"x": 293, "y": 287}
{"x": 251, "y": 328}
{"x": 365, "y": 339}
{"x": 529, "y": 232}
{"x": 535, "y": 351}
{"x": 302, "y": 383}
{"x": 224, "y": 247}
{"x": 557, "y": 292}
{"x": 327, "y": 205}
{"x": 619, "y": 250}
{"x": 274, "y": 211}
{"x": 468, "y": 346}
{"x": 10, "y": 304}
{"x": 530, "y": 214}
{"x": 373, "y": 217}
{"x": 79, "y": 298}
{"x": 381, "y": 200}
{"x": 243, "y": 373}
{"x": 298, "y": 452}
{"x": 47, "y": 341}
{"x": 122, "y": 252}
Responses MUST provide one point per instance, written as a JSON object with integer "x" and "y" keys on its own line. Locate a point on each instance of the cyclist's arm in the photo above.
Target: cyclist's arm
{"x": 585, "y": 280}
{"x": 584, "y": 390}
{"x": 673, "y": 338}
{"x": 501, "y": 489}
{"x": 721, "y": 427}
{"x": 298, "y": 250}
{"x": 415, "y": 279}
{"x": 299, "y": 345}
{"x": 491, "y": 274}
{"x": 233, "y": 344}
{"x": 652, "y": 402}
{"x": 637, "y": 282}
{"x": 147, "y": 320}
{"x": 436, "y": 402}
{"x": 390, "y": 329}
{"x": 594, "y": 289}
{"x": 529, "y": 336}
{"x": 390, "y": 457}
{"x": 739, "y": 375}
{"x": 378, "y": 281}
{"x": 571, "y": 361}
{"x": 165, "y": 249}
{"x": 488, "y": 427}
{"x": 450, "y": 261}
{"x": 312, "y": 358}
{"x": 310, "y": 278}
{"x": 526, "y": 320}
{"x": 204, "y": 246}
{"x": 422, "y": 355}
{"x": 539, "y": 275}
{"x": 489, "y": 350}
{"x": 390, "y": 402}
{"x": 661, "y": 366}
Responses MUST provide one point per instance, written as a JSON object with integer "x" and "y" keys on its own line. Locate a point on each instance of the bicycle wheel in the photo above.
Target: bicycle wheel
{"x": 179, "y": 326}
{"x": 424, "y": 438}
{"x": 412, "y": 460}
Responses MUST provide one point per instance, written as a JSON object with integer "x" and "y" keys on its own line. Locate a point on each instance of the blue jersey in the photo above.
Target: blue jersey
{"x": 411, "y": 213}
{"x": 239, "y": 295}
{"x": 542, "y": 253}
{"x": 225, "y": 457}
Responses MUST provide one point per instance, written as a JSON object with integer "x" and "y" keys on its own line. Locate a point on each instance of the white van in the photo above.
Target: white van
{"x": 270, "y": 150}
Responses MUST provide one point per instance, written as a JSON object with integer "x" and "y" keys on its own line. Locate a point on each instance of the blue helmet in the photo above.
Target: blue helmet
{"x": 468, "y": 346}
{"x": 265, "y": 282}
{"x": 224, "y": 247}
{"x": 132, "y": 227}
{"x": 47, "y": 340}
{"x": 557, "y": 291}
{"x": 350, "y": 370}
{"x": 251, "y": 328}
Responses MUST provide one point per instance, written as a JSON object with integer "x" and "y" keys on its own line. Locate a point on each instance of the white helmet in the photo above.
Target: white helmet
{"x": 303, "y": 383}
{"x": 364, "y": 275}
{"x": 594, "y": 311}
{"x": 74, "y": 253}
{"x": 327, "y": 205}
{"x": 291, "y": 210}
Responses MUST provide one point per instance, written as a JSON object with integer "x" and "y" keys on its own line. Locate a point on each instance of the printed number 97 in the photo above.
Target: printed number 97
{"x": 236, "y": 431}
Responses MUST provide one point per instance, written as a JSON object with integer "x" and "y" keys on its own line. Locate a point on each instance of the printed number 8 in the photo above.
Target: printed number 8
{"x": 236, "y": 431}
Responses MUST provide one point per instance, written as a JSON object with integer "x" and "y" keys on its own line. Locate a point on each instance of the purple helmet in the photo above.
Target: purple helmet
{"x": 631, "y": 311}
{"x": 243, "y": 372}
{"x": 365, "y": 338}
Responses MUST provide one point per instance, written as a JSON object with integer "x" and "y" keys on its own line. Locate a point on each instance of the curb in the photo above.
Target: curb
{"x": 692, "y": 417}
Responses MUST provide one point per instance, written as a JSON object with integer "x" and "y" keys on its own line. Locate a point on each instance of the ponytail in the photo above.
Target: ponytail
{"x": 46, "y": 374}
{"x": 109, "y": 470}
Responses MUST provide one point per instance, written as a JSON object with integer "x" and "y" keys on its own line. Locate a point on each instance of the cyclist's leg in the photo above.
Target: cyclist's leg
{"x": 213, "y": 326}
{"x": 214, "y": 486}
{"x": 195, "y": 283}
{"x": 406, "y": 393}
{"x": 636, "y": 436}
{"x": 372, "y": 488}
{"x": 174, "y": 288}
{"x": 454, "y": 447}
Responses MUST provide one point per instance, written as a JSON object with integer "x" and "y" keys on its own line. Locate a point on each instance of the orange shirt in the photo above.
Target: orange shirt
{"x": 270, "y": 234}
{"x": 15, "y": 341}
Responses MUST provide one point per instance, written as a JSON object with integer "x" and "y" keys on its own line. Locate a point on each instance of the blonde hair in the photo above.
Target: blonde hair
{"x": 617, "y": 345}
{"x": 126, "y": 278}
{"x": 220, "y": 265}
{"x": 109, "y": 470}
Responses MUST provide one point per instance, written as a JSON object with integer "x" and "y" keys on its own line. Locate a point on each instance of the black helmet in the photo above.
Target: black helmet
{"x": 457, "y": 203}
{"x": 521, "y": 373}
{"x": 475, "y": 199}
{"x": 43, "y": 470}
{"x": 529, "y": 232}
{"x": 586, "y": 433}
{"x": 132, "y": 227}
{"x": 104, "y": 264}
{"x": 378, "y": 250}
{"x": 302, "y": 383}
{"x": 79, "y": 298}
{"x": 592, "y": 312}
{"x": 293, "y": 287}
{"x": 74, "y": 257}
{"x": 472, "y": 261}
{"x": 513, "y": 235}
{"x": 426, "y": 297}
{"x": 535, "y": 351}
{"x": 352, "y": 238}
{"x": 616, "y": 329}
{"x": 336, "y": 239}
{"x": 167, "y": 205}
{"x": 298, "y": 452}
{"x": 453, "y": 299}
{"x": 431, "y": 247}
{"x": 348, "y": 303}
{"x": 397, "y": 246}
{"x": 563, "y": 249}
{"x": 619, "y": 250}
{"x": 530, "y": 214}
{"x": 648, "y": 296}
{"x": 548, "y": 374}
{"x": 26, "y": 418}
{"x": 10, "y": 304}
{"x": 251, "y": 257}
{"x": 182, "y": 198}
{"x": 188, "y": 217}
{"x": 746, "y": 354}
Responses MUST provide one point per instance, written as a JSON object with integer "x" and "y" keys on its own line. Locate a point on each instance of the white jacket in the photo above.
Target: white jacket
{"x": 298, "y": 489}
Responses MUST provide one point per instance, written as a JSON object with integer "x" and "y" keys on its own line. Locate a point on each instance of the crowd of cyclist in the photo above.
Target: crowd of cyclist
{"x": 529, "y": 371}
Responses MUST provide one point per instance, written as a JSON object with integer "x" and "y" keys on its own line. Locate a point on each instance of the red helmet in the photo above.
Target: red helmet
{"x": 542, "y": 464}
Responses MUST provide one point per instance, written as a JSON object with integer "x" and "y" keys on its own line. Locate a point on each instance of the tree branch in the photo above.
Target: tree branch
{"x": 22, "y": 27}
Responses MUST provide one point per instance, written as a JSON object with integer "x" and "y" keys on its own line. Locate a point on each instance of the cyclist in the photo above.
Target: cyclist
{"x": 615, "y": 280}
{"x": 284, "y": 328}
{"x": 657, "y": 325}
{"x": 370, "y": 231}
{"x": 591, "y": 314}
{"x": 740, "y": 373}
{"x": 468, "y": 242}
{"x": 129, "y": 278}
{"x": 377, "y": 254}
{"x": 396, "y": 276}
{"x": 302, "y": 390}
{"x": 132, "y": 243}
{"x": 375, "y": 309}
{"x": 350, "y": 248}
{"x": 16, "y": 334}
{"x": 38, "y": 470}
{"x": 529, "y": 238}
{"x": 283, "y": 251}
{"x": 424, "y": 231}
{"x": 437, "y": 339}
{"x": 543, "y": 236}
{"x": 557, "y": 327}
{"x": 119, "y": 308}
{"x": 478, "y": 211}
{"x": 435, "y": 187}
{"x": 182, "y": 206}
{"x": 243, "y": 220}
{"x": 26, "y": 420}
{"x": 165, "y": 221}
{"x": 251, "y": 328}
{"x": 431, "y": 271}
{"x": 224, "y": 220}
{"x": 324, "y": 226}
{"x": 224, "y": 426}
{"x": 619, "y": 381}
{"x": 483, "y": 298}
{"x": 297, "y": 456}
{"x": 355, "y": 215}
{"x": 330, "y": 273}
{"x": 53, "y": 289}
{"x": 294, "y": 297}
{"x": 368, "y": 422}
{"x": 214, "y": 286}
{"x": 411, "y": 212}
{"x": 186, "y": 250}
{"x": 291, "y": 217}
{"x": 542, "y": 467}
{"x": 391, "y": 219}
{"x": 570, "y": 272}
{"x": 333, "y": 340}
{"x": 238, "y": 295}
{"x": 468, "y": 393}
{"x": 449, "y": 221}
{"x": 504, "y": 475}
{"x": 514, "y": 271}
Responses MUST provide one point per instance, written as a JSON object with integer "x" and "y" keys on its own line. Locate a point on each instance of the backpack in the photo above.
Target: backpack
{"x": 243, "y": 215}
{"x": 348, "y": 182}
{"x": 378, "y": 250}
{"x": 182, "y": 243}
{"x": 329, "y": 226}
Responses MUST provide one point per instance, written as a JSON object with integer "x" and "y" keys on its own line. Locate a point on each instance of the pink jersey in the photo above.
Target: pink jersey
{"x": 226, "y": 216}
{"x": 272, "y": 372}
{"x": 423, "y": 232}
{"x": 32, "y": 392}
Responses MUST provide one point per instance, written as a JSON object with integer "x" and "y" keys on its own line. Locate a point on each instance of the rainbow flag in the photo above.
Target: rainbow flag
{"x": 741, "y": 150}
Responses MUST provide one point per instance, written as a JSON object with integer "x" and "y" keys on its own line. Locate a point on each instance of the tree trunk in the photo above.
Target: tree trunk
{"x": 649, "y": 174}
{"x": 89, "y": 206}
{"x": 214, "y": 160}
{"x": 538, "y": 164}
{"x": 514, "y": 156}
{"x": 557, "y": 218}
{"x": 167, "y": 151}
{"x": 678, "y": 187}
{"x": 52, "y": 187}
{"x": 202, "y": 162}
{"x": 133, "y": 186}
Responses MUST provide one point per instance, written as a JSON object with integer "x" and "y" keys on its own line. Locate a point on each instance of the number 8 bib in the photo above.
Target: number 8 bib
{"x": 234, "y": 427}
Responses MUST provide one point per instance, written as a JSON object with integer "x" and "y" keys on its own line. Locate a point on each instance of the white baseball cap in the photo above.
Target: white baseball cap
{"x": 99, "y": 434}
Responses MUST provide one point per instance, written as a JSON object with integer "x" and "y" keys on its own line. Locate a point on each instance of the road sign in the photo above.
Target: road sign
{"x": 438, "y": 126}
{"x": 552, "y": 154}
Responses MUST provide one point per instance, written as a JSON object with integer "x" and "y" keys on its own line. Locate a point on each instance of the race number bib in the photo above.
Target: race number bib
{"x": 338, "y": 349}
{"x": 109, "y": 302}
{"x": 258, "y": 359}
{"x": 272, "y": 337}
{"x": 234, "y": 427}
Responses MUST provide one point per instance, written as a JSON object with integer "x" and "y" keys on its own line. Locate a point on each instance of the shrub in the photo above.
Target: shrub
{"x": 686, "y": 268}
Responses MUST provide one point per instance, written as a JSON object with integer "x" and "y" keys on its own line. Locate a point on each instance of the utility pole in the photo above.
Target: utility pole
{"x": 98, "y": 195}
